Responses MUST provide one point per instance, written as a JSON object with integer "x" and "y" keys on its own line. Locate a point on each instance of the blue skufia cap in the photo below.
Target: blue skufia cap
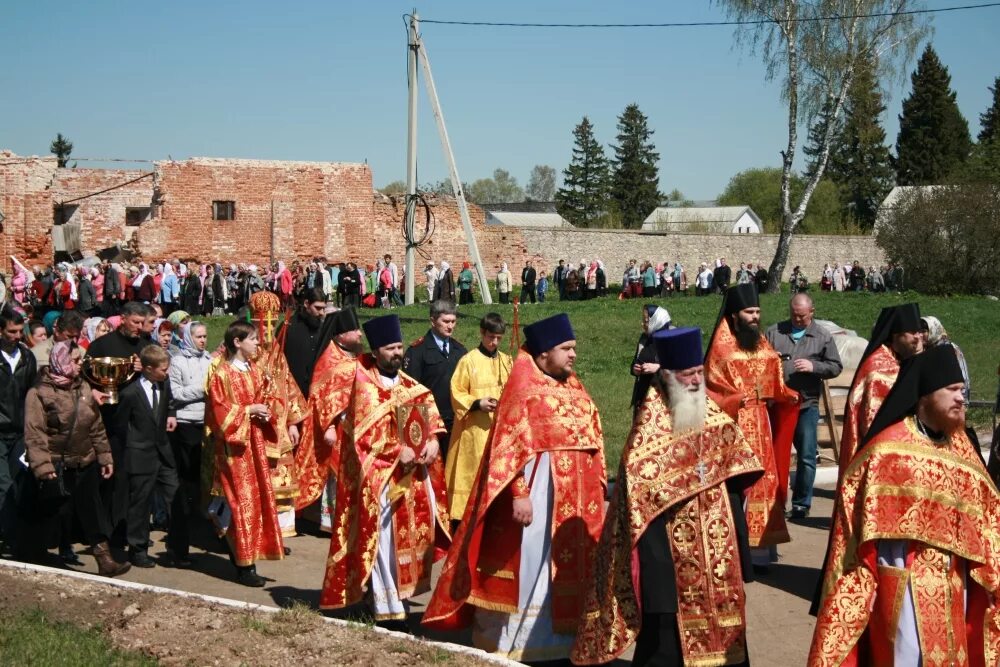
{"x": 678, "y": 349}
{"x": 382, "y": 331}
{"x": 545, "y": 334}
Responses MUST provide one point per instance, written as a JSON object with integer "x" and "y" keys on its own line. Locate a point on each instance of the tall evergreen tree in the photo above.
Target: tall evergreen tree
{"x": 583, "y": 197}
{"x": 860, "y": 164}
{"x": 933, "y": 136}
{"x": 61, "y": 147}
{"x": 990, "y": 119}
{"x": 635, "y": 180}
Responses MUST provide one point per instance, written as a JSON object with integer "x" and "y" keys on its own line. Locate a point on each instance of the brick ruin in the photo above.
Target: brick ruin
{"x": 280, "y": 211}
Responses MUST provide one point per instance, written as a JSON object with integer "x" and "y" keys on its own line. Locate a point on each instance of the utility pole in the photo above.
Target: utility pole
{"x": 417, "y": 49}
{"x": 411, "y": 157}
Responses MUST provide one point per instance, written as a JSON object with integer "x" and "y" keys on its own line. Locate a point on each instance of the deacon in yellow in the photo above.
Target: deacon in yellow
{"x": 476, "y": 386}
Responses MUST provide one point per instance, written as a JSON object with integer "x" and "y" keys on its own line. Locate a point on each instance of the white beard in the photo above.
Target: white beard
{"x": 687, "y": 408}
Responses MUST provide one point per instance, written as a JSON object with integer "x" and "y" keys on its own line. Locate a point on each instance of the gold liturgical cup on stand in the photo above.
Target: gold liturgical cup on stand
{"x": 109, "y": 373}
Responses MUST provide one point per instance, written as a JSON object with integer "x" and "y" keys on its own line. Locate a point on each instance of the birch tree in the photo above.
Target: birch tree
{"x": 813, "y": 48}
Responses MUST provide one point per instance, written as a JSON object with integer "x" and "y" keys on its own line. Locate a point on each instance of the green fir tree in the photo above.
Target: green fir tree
{"x": 635, "y": 180}
{"x": 860, "y": 163}
{"x": 582, "y": 199}
{"x": 990, "y": 119}
{"x": 933, "y": 139}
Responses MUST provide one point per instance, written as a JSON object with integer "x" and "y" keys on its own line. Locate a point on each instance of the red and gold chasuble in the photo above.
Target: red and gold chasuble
{"x": 903, "y": 486}
{"x": 685, "y": 476}
{"x": 288, "y": 406}
{"x": 241, "y": 466}
{"x": 735, "y": 375}
{"x": 329, "y": 396}
{"x": 378, "y": 422}
{"x": 874, "y": 378}
{"x": 536, "y": 414}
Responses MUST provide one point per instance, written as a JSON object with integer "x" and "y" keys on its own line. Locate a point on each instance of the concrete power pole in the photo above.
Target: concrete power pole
{"x": 418, "y": 50}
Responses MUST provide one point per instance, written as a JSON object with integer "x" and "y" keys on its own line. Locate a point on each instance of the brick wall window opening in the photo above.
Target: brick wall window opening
{"x": 136, "y": 215}
{"x": 223, "y": 210}
{"x": 62, "y": 214}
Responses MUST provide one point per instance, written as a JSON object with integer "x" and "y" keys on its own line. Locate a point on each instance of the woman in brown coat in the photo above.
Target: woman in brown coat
{"x": 63, "y": 428}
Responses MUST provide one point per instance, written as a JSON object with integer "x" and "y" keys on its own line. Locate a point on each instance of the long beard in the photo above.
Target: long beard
{"x": 747, "y": 337}
{"x": 687, "y": 408}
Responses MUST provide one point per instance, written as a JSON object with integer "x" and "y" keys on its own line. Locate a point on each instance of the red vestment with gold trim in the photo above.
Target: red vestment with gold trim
{"x": 660, "y": 473}
{"x": 536, "y": 414}
{"x": 368, "y": 465}
{"x": 737, "y": 375}
{"x": 241, "y": 464}
{"x": 329, "y": 396}
{"x": 873, "y": 380}
{"x": 938, "y": 496}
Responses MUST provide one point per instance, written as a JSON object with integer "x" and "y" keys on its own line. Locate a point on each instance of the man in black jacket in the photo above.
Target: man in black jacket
{"x": 112, "y": 289}
{"x": 142, "y": 421}
{"x": 431, "y": 361}
{"x": 17, "y": 375}
{"x": 303, "y": 337}
{"x": 723, "y": 276}
{"x": 528, "y": 282}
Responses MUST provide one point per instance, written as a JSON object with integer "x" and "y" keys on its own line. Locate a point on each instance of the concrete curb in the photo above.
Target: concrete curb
{"x": 251, "y": 606}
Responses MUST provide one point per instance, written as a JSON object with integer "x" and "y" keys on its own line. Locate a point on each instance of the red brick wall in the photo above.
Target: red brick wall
{"x": 27, "y": 207}
{"x": 102, "y": 216}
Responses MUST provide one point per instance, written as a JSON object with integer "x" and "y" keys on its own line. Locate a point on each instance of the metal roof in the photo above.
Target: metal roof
{"x": 518, "y": 219}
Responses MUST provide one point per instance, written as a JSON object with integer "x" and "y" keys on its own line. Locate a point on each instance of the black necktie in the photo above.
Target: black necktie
{"x": 444, "y": 348}
{"x": 156, "y": 401}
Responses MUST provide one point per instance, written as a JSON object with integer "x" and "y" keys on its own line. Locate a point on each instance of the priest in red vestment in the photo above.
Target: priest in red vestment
{"x": 391, "y": 505}
{"x": 745, "y": 372}
{"x": 330, "y": 394}
{"x": 673, "y": 556}
{"x": 913, "y": 572}
{"x": 895, "y": 338}
{"x": 239, "y": 421}
{"x": 519, "y": 567}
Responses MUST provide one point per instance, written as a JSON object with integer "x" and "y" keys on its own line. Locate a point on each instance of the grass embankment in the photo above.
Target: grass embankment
{"x": 29, "y": 637}
{"x": 607, "y": 330}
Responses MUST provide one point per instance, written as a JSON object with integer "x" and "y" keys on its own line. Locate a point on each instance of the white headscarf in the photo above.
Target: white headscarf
{"x": 444, "y": 266}
{"x": 660, "y": 319}
{"x": 143, "y": 272}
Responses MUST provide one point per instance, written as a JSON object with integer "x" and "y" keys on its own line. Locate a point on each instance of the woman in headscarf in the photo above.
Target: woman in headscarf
{"x": 170, "y": 289}
{"x": 178, "y": 318}
{"x": 219, "y": 291}
{"x": 644, "y": 364}
{"x": 465, "y": 283}
{"x": 162, "y": 332}
{"x": 93, "y": 328}
{"x": 591, "y": 281}
{"x": 49, "y": 320}
{"x": 21, "y": 281}
{"x": 192, "y": 290}
{"x": 97, "y": 281}
{"x": 284, "y": 285}
{"x": 504, "y": 283}
{"x": 602, "y": 279}
{"x": 189, "y": 364}
{"x": 63, "y": 429}
{"x": 143, "y": 285}
{"x": 680, "y": 279}
{"x": 445, "y": 288}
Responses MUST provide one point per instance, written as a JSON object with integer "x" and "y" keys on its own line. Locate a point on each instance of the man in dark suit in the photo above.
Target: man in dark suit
{"x": 142, "y": 421}
{"x": 723, "y": 276}
{"x": 431, "y": 361}
{"x": 527, "y": 283}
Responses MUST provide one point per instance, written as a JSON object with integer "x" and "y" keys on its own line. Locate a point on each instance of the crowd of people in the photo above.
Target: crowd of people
{"x": 420, "y": 449}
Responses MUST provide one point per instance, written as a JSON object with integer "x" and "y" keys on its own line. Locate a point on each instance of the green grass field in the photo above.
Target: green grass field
{"x": 607, "y": 330}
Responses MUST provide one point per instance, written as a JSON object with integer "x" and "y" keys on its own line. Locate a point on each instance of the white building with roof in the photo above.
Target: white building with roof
{"x": 525, "y": 219}
{"x": 714, "y": 219}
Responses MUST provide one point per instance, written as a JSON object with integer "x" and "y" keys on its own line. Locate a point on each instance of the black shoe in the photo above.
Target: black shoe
{"x": 141, "y": 559}
{"x": 287, "y": 550}
{"x": 761, "y": 570}
{"x": 69, "y": 557}
{"x": 181, "y": 561}
{"x": 798, "y": 513}
{"x": 248, "y": 577}
{"x": 159, "y": 526}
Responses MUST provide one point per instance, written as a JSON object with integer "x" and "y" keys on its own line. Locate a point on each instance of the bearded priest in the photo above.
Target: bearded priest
{"x": 673, "y": 556}
{"x": 913, "y": 572}
{"x": 746, "y": 373}
{"x": 522, "y": 558}
{"x": 391, "y": 506}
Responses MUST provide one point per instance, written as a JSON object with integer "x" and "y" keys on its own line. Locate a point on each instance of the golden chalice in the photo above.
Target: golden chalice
{"x": 109, "y": 373}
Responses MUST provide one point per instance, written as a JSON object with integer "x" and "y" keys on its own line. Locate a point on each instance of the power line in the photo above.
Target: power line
{"x": 699, "y": 24}
{"x": 100, "y": 192}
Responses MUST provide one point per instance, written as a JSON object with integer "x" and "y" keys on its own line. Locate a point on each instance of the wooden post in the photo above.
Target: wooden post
{"x": 831, "y": 420}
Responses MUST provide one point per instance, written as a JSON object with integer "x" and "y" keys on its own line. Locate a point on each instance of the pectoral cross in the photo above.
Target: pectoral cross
{"x": 701, "y": 469}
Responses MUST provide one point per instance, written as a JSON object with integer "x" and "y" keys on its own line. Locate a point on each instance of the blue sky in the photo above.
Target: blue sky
{"x": 327, "y": 81}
